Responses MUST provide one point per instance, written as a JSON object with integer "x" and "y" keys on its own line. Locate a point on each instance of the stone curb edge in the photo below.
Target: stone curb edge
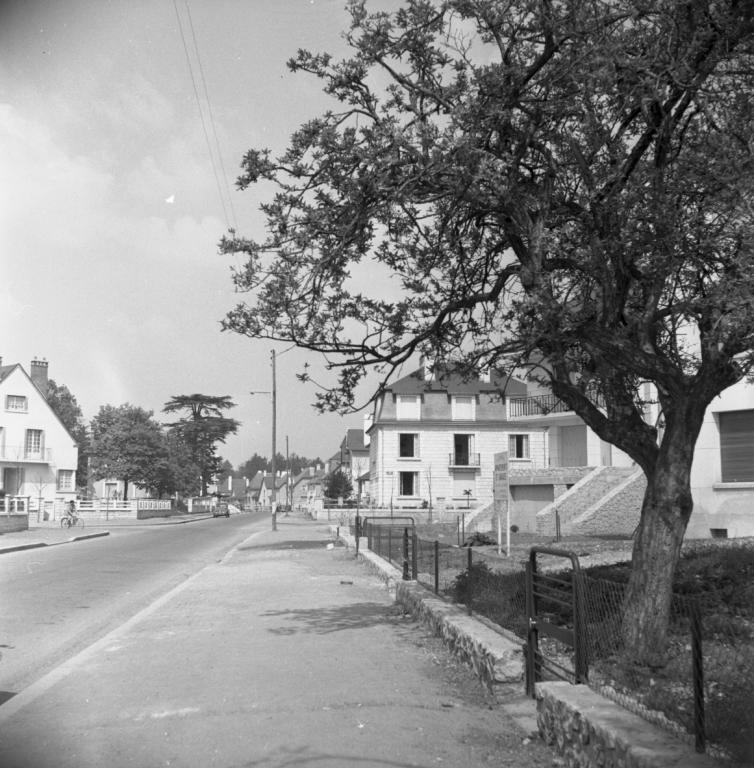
{"x": 39, "y": 545}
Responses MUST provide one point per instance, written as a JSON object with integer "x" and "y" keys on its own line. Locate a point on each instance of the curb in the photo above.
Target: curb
{"x": 39, "y": 545}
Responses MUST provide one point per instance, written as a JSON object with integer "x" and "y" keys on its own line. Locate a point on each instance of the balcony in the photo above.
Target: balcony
{"x": 17, "y": 454}
{"x": 536, "y": 405}
{"x": 465, "y": 460}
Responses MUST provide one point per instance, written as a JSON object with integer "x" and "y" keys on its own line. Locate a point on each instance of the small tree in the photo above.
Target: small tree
{"x": 338, "y": 485}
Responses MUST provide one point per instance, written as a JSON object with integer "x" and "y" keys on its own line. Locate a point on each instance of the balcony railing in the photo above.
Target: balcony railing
{"x": 19, "y": 453}
{"x": 536, "y": 405}
{"x": 465, "y": 460}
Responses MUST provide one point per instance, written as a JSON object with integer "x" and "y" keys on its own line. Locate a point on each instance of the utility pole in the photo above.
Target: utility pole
{"x": 273, "y": 496}
{"x": 287, "y": 477}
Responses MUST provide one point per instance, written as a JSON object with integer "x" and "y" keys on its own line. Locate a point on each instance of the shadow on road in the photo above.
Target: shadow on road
{"x": 292, "y": 544}
{"x": 322, "y": 621}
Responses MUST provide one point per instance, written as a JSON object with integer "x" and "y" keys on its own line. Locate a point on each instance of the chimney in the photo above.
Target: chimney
{"x": 484, "y": 375}
{"x": 428, "y": 368}
{"x": 368, "y": 421}
{"x": 39, "y": 374}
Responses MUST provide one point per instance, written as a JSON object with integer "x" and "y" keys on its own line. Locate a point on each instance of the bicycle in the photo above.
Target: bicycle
{"x": 68, "y": 520}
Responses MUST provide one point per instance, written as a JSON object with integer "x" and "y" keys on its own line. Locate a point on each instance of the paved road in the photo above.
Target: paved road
{"x": 285, "y": 653}
{"x": 59, "y": 599}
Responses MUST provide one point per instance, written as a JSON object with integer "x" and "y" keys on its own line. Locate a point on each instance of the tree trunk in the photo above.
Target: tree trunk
{"x": 664, "y": 516}
{"x": 125, "y": 489}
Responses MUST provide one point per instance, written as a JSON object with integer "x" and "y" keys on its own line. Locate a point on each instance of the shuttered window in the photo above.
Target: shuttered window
{"x": 737, "y": 446}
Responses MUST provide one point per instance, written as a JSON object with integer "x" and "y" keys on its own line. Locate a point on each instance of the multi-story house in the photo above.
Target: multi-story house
{"x": 434, "y": 435}
{"x": 38, "y": 456}
{"x": 592, "y": 487}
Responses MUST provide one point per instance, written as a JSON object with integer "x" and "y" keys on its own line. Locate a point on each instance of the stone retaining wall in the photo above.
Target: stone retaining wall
{"x": 589, "y": 731}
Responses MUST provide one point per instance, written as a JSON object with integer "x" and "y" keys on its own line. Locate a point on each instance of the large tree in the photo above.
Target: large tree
{"x": 563, "y": 185}
{"x": 202, "y": 427}
{"x": 127, "y": 444}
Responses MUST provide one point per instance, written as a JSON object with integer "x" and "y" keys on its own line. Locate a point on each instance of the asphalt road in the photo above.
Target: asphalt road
{"x": 57, "y": 600}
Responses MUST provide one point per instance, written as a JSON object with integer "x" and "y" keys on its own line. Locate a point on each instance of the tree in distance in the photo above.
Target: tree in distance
{"x": 67, "y": 409}
{"x": 559, "y": 188}
{"x": 201, "y": 428}
{"x": 128, "y": 444}
{"x": 338, "y": 485}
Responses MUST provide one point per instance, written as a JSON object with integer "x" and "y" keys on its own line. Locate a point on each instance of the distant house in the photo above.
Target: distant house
{"x": 38, "y": 456}
{"x": 355, "y": 462}
{"x": 307, "y": 487}
{"x": 259, "y": 491}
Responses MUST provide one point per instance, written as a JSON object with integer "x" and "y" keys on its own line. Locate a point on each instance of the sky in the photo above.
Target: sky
{"x": 112, "y": 203}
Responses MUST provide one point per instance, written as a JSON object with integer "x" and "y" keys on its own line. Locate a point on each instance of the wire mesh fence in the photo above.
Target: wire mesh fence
{"x": 704, "y": 691}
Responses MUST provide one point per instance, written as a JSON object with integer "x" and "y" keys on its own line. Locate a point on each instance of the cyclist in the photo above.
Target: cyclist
{"x": 70, "y": 517}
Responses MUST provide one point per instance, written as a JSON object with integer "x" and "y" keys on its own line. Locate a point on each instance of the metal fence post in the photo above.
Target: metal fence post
{"x": 697, "y": 672}
{"x": 405, "y": 554}
{"x": 470, "y": 583}
{"x": 358, "y": 531}
{"x": 414, "y": 555}
{"x": 437, "y": 566}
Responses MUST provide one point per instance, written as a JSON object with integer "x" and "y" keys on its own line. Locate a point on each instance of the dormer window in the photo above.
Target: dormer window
{"x": 408, "y": 407}
{"x": 463, "y": 408}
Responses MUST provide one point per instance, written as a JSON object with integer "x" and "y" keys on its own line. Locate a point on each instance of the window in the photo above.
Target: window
{"x": 737, "y": 446}
{"x": 409, "y": 485}
{"x": 408, "y": 407}
{"x": 462, "y": 407}
{"x": 65, "y": 479}
{"x": 408, "y": 446}
{"x": 33, "y": 445}
{"x": 16, "y": 403}
{"x": 462, "y": 453}
{"x": 518, "y": 446}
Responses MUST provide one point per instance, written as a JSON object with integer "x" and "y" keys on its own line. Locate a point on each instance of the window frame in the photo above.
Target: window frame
{"x": 34, "y": 440}
{"x": 455, "y": 401}
{"x": 70, "y": 474}
{"x": 414, "y": 484}
{"x": 23, "y": 401}
{"x": 414, "y": 445}
{"x": 513, "y": 445}
{"x": 736, "y": 446}
{"x": 402, "y": 403}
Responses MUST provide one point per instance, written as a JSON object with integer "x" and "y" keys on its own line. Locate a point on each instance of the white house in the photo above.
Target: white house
{"x": 38, "y": 456}
{"x": 434, "y": 435}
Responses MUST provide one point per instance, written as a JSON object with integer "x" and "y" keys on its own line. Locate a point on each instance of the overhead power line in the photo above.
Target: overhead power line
{"x": 218, "y": 168}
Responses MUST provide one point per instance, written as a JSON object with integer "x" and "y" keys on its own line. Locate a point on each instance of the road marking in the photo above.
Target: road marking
{"x": 52, "y": 678}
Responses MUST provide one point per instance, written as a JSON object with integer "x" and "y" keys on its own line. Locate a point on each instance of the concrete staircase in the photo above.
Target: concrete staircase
{"x": 606, "y": 501}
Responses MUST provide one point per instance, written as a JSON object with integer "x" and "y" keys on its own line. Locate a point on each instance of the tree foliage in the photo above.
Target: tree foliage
{"x": 66, "y": 408}
{"x": 563, "y": 187}
{"x": 128, "y": 444}
{"x": 201, "y": 428}
{"x": 338, "y": 485}
{"x": 258, "y": 463}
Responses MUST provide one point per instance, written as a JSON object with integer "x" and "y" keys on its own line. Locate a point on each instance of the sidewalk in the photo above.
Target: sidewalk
{"x": 285, "y": 653}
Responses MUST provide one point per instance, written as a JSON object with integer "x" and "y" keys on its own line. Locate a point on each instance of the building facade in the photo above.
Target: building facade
{"x": 38, "y": 456}
{"x": 434, "y": 435}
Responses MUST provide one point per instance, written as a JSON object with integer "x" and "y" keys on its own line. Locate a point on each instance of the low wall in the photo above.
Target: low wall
{"x": 589, "y": 731}
{"x": 13, "y": 523}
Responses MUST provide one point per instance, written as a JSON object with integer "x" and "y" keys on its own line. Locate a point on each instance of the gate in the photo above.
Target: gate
{"x": 556, "y": 644}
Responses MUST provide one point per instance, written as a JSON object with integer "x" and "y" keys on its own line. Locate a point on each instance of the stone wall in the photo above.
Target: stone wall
{"x": 589, "y": 731}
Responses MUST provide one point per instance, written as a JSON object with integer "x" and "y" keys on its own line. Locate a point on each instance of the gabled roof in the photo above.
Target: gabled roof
{"x": 354, "y": 440}
{"x": 447, "y": 379}
{"x": 6, "y": 369}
